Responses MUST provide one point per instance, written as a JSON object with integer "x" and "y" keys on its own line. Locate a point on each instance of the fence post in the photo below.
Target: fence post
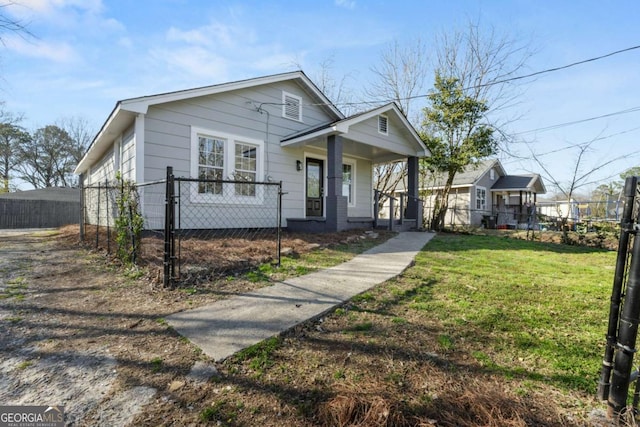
{"x": 615, "y": 388}
{"x": 98, "y": 217}
{"x": 82, "y": 207}
{"x": 106, "y": 190}
{"x": 279, "y": 229}
{"x": 169, "y": 229}
{"x": 376, "y": 208}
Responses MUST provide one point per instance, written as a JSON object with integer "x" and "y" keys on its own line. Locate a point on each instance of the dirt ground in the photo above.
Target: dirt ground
{"x": 77, "y": 331}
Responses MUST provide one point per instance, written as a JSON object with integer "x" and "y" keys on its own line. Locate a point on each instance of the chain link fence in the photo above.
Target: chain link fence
{"x": 194, "y": 230}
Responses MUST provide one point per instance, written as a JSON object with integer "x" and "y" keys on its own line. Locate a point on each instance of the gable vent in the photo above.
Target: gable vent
{"x": 383, "y": 125}
{"x": 291, "y": 106}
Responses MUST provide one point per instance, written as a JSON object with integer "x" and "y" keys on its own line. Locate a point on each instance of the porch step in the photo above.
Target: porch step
{"x": 406, "y": 225}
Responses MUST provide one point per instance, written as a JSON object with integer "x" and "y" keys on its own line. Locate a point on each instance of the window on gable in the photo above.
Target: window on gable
{"x": 492, "y": 174}
{"x": 291, "y": 106}
{"x": 383, "y": 125}
{"x": 481, "y": 198}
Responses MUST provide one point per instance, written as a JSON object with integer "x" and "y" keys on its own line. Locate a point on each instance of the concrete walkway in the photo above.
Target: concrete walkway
{"x": 228, "y": 326}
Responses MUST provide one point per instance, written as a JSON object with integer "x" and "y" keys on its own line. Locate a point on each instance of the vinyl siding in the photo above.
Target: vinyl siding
{"x": 168, "y": 134}
{"x": 128, "y": 166}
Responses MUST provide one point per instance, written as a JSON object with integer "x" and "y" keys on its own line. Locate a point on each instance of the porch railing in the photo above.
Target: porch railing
{"x": 387, "y": 207}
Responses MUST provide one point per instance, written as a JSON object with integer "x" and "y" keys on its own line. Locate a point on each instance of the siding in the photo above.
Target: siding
{"x": 128, "y": 163}
{"x": 394, "y": 141}
{"x": 168, "y": 135}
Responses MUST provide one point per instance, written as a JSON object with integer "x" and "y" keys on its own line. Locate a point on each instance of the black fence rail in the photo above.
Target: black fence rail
{"x": 99, "y": 213}
{"x": 194, "y": 230}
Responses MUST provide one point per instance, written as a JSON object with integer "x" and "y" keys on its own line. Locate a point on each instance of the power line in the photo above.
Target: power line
{"x": 559, "y": 125}
{"x": 510, "y": 79}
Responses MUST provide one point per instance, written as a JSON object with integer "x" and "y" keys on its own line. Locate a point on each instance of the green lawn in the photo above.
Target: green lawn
{"x": 482, "y": 330}
{"x": 527, "y": 308}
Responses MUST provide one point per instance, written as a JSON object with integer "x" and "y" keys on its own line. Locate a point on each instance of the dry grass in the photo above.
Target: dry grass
{"x": 376, "y": 361}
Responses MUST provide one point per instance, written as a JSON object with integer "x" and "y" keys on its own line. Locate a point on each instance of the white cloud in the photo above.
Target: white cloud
{"x": 196, "y": 61}
{"x": 51, "y": 50}
{"x": 347, "y": 4}
{"x": 214, "y": 34}
{"x": 52, "y": 9}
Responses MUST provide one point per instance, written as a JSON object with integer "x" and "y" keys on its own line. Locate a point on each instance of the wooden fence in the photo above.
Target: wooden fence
{"x": 18, "y": 213}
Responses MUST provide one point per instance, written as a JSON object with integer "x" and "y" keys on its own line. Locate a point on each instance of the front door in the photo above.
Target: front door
{"x": 315, "y": 188}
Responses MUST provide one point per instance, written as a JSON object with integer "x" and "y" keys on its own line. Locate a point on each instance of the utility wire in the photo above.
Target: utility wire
{"x": 510, "y": 79}
{"x": 559, "y": 125}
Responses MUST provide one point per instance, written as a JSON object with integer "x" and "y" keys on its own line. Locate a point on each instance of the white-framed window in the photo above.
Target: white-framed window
{"x": 492, "y": 174}
{"x": 349, "y": 181}
{"x": 221, "y": 156}
{"x": 383, "y": 124}
{"x": 481, "y": 198}
{"x": 291, "y": 106}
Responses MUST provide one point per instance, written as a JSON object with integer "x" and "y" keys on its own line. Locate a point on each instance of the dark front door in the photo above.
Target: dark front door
{"x": 315, "y": 189}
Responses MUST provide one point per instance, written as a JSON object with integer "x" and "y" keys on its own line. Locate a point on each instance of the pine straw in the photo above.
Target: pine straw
{"x": 470, "y": 403}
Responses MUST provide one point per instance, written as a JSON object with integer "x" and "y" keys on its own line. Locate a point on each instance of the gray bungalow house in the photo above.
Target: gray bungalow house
{"x": 280, "y": 128}
{"x": 483, "y": 194}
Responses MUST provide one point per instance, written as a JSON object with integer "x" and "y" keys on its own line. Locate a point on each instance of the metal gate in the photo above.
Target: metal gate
{"x": 205, "y": 216}
{"x": 617, "y": 372}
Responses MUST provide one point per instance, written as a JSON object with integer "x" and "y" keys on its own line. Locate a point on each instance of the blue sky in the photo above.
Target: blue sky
{"x": 88, "y": 54}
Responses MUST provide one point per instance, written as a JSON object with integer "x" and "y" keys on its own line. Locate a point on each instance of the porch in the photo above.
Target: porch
{"x": 390, "y": 213}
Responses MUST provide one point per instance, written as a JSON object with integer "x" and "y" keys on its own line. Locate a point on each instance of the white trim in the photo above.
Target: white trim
{"x": 286, "y": 103}
{"x": 352, "y": 163}
{"x": 322, "y": 157}
{"x": 475, "y": 198}
{"x": 228, "y": 167}
{"x": 117, "y": 154}
{"x": 139, "y": 144}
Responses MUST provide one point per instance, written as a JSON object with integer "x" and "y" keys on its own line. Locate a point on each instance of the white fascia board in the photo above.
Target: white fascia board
{"x": 141, "y": 104}
{"x": 322, "y": 132}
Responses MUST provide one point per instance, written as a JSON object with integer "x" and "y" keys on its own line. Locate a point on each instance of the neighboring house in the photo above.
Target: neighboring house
{"x": 267, "y": 129}
{"x": 483, "y": 194}
{"x": 42, "y": 208}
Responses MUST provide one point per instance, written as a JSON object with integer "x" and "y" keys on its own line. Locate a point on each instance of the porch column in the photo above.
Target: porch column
{"x": 413, "y": 207}
{"x": 336, "y": 203}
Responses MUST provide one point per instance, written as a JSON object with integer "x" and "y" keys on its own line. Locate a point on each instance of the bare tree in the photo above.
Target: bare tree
{"x": 581, "y": 176}
{"x": 400, "y": 76}
{"x": 10, "y": 25}
{"x": 81, "y": 134}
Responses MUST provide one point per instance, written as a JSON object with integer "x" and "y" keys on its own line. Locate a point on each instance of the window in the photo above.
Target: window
{"x": 220, "y": 156}
{"x": 210, "y": 163}
{"x": 383, "y": 125}
{"x": 246, "y": 167}
{"x": 347, "y": 182}
{"x": 481, "y": 198}
{"x": 492, "y": 174}
{"x": 291, "y": 106}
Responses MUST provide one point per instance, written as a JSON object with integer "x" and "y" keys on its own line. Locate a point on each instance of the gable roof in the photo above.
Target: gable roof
{"x": 473, "y": 173}
{"x": 342, "y": 126}
{"x": 57, "y": 194}
{"x": 470, "y": 175}
{"x": 126, "y": 110}
{"x": 531, "y": 182}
